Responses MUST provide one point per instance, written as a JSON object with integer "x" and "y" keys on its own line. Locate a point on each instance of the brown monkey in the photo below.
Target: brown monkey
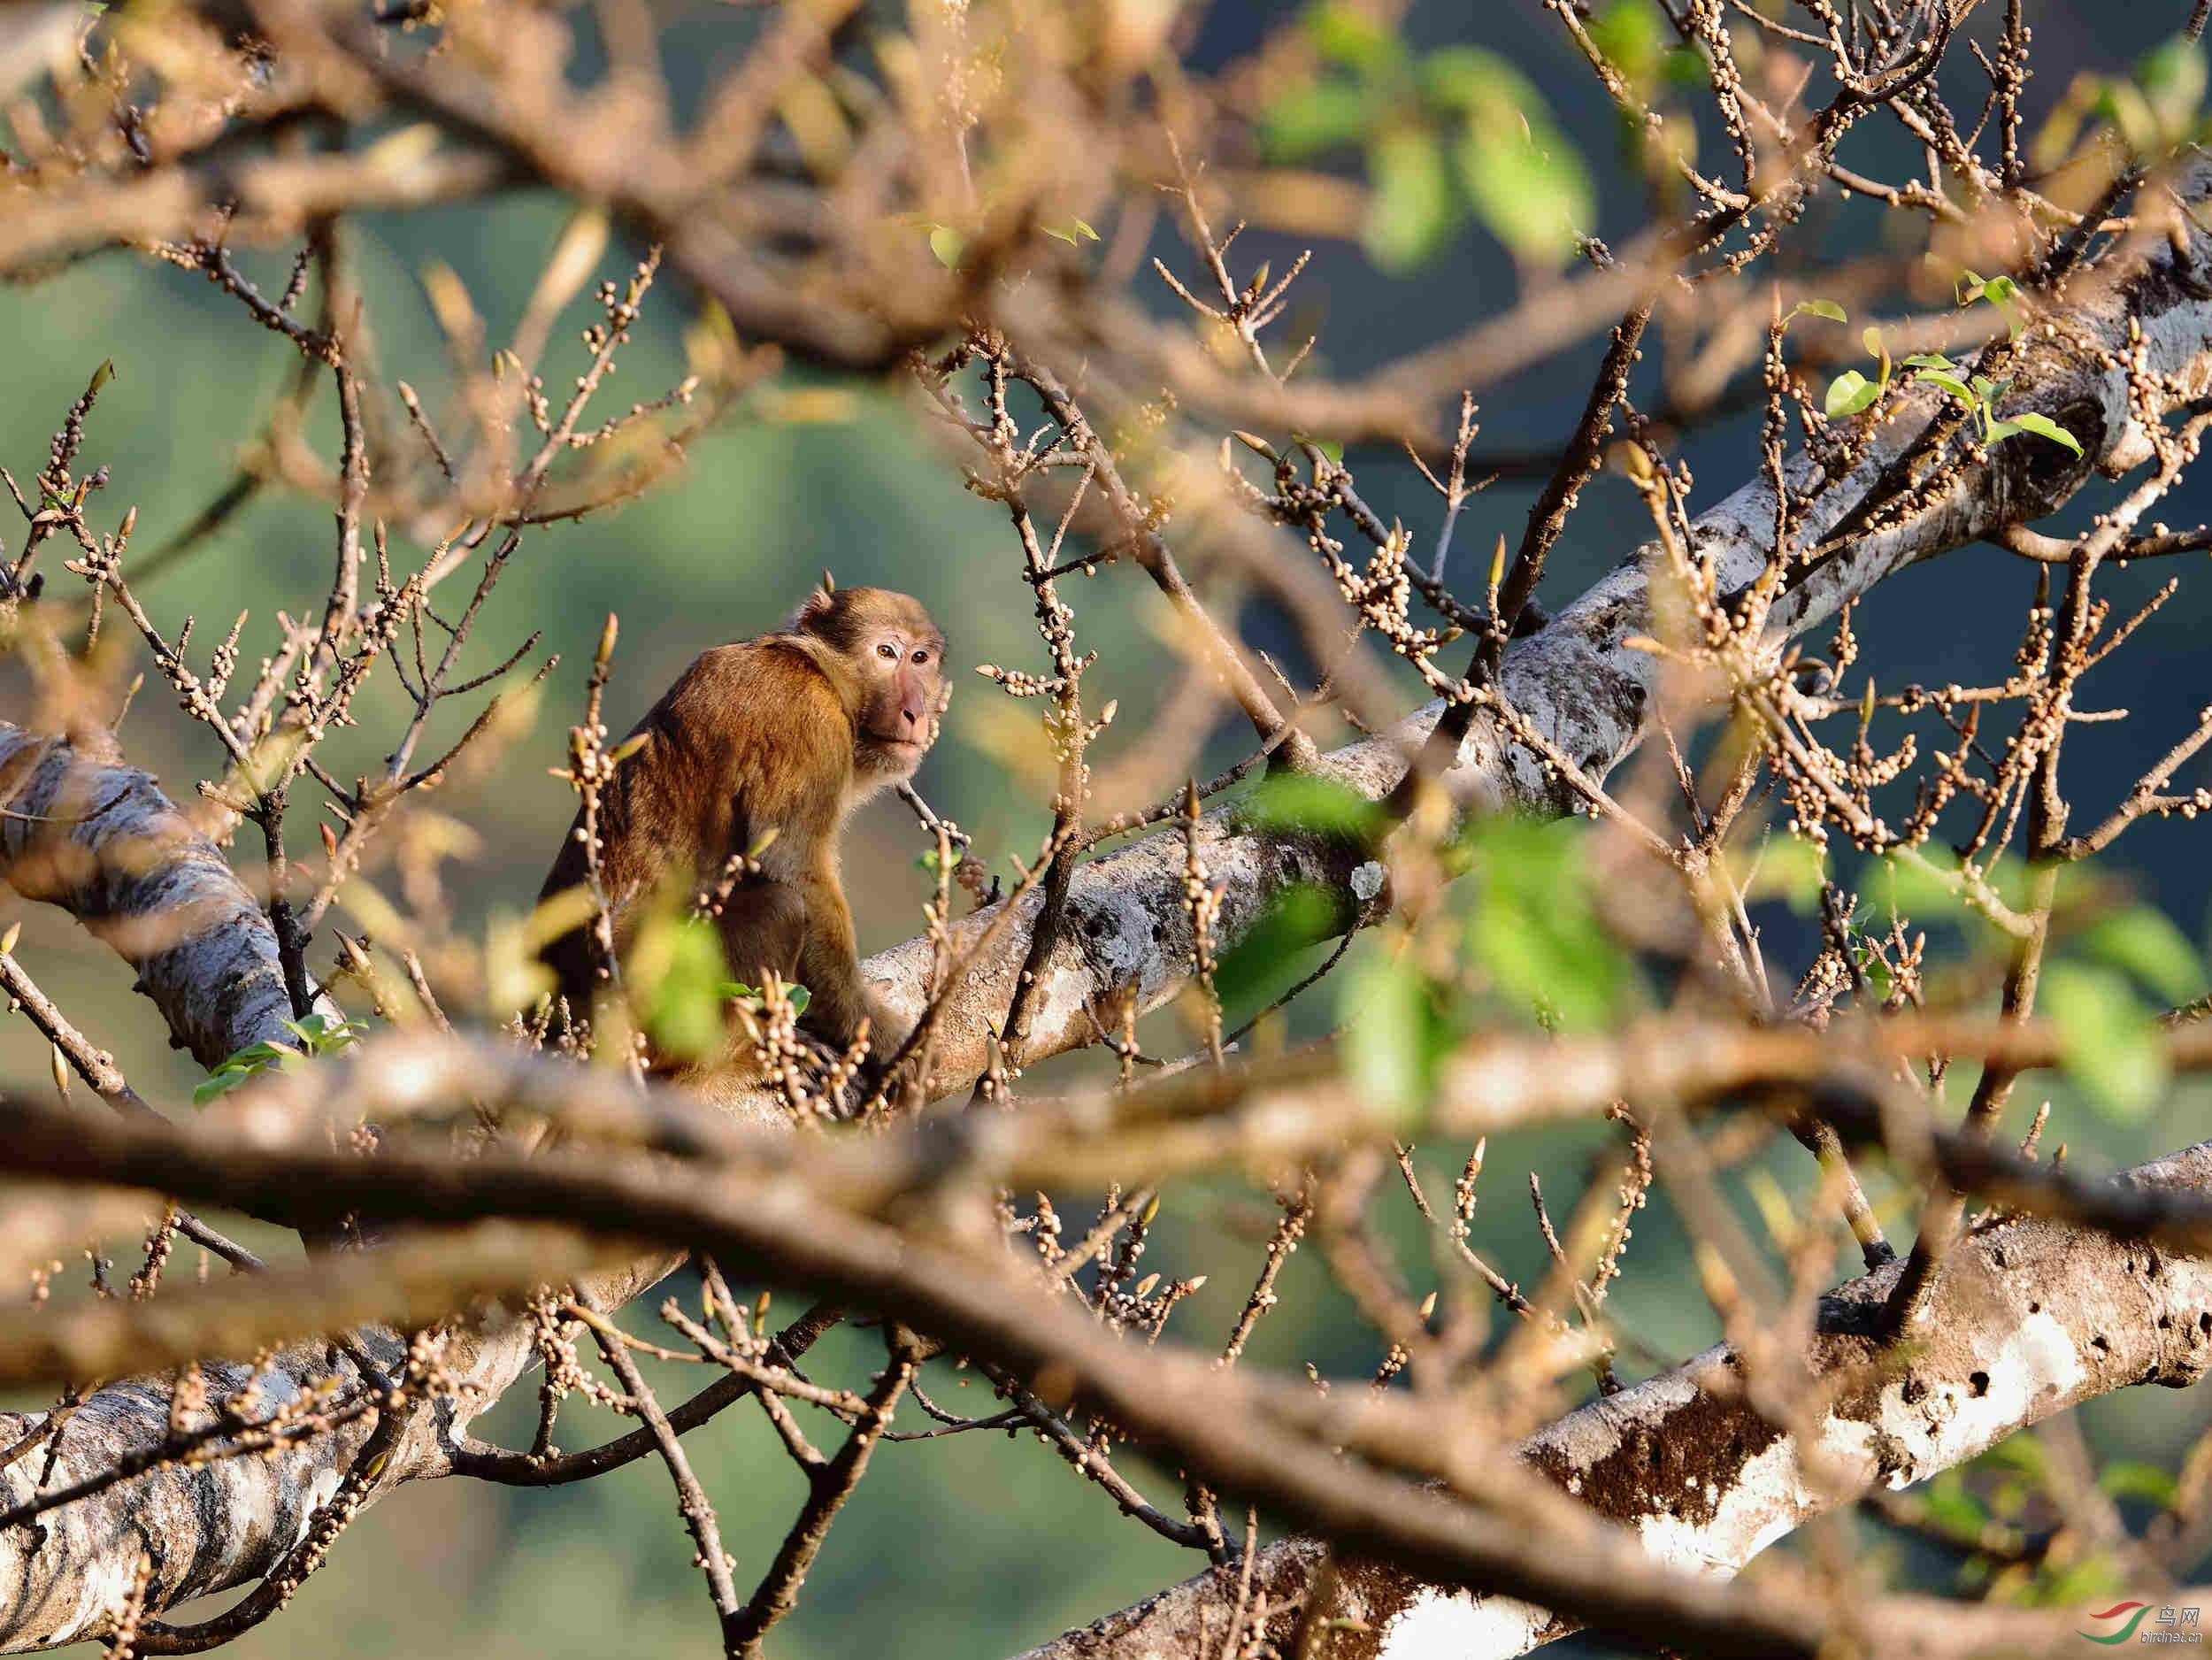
{"x": 771, "y": 739}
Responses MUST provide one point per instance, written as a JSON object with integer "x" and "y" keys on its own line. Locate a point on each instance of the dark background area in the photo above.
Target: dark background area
{"x": 975, "y": 1545}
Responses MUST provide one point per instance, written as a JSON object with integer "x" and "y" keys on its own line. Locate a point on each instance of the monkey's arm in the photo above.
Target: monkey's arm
{"x": 829, "y": 963}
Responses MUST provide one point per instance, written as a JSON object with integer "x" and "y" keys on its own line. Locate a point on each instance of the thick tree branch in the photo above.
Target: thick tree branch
{"x": 2032, "y": 1318}
{"x": 82, "y": 831}
{"x": 1583, "y": 681}
{"x": 2036, "y": 1316}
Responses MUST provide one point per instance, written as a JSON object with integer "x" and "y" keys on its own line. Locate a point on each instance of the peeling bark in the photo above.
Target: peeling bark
{"x": 2031, "y": 1318}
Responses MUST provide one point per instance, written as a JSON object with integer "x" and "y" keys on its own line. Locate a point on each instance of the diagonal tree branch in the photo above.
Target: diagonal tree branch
{"x": 1583, "y": 680}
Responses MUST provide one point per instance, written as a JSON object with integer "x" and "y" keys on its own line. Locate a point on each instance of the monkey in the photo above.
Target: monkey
{"x": 763, "y": 748}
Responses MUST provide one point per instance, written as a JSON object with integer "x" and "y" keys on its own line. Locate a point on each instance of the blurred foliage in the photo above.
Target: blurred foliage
{"x": 1447, "y": 134}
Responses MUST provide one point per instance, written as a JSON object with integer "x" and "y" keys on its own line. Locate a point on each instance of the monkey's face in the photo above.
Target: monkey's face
{"x": 888, "y": 643}
{"x": 901, "y": 664}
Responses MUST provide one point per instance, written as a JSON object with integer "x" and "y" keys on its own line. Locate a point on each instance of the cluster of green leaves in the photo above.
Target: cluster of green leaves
{"x": 1644, "y": 48}
{"x": 1980, "y": 393}
{"x": 1852, "y": 391}
{"x": 1522, "y": 937}
{"x": 2007, "y": 1488}
{"x": 317, "y": 1035}
{"x": 2104, "y": 980}
{"x": 1446, "y": 134}
{"x": 2153, "y": 109}
{"x": 679, "y": 974}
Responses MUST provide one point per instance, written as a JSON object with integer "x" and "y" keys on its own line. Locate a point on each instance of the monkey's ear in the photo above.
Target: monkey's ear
{"x": 818, "y": 605}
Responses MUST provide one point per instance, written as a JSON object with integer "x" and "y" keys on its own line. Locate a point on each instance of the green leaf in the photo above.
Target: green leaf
{"x": 1950, "y": 1503}
{"x": 2127, "y": 1478}
{"x": 217, "y": 1084}
{"x": 1828, "y": 309}
{"x": 1468, "y": 80}
{"x": 1350, "y": 36}
{"x": 2044, "y": 427}
{"x": 1414, "y": 211}
{"x": 2110, "y": 1040}
{"x": 2023, "y": 1453}
{"x": 1532, "y": 924}
{"x": 2097, "y": 1575}
{"x": 1870, "y": 337}
{"x": 1306, "y": 120}
{"x": 1918, "y": 894}
{"x": 2000, "y": 290}
{"x": 2173, "y": 76}
{"x": 1847, "y": 394}
{"x": 1321, "y": 806}
{"x": 948, "y": 244}
{"x": 1929, "y": 360}
{"x": 1630, "y": 34}
{"x": 1071, "y": 231}
{"x": 1950, "y": 383}
{"x": 684, "y": 1016}
{"x": 1383, "y": 1007}
{"x": 1257, "y": 966}
{"x": 322, "y": 1034}
{"x": 738, "y": 991}
{"x": 2145, "y": 942}
{"x": 1527, "y": 183}
{"x": 1787, "y": 868}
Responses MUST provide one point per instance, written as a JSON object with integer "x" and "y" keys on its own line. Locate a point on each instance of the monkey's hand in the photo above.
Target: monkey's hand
{"x": 888, "y": 1032}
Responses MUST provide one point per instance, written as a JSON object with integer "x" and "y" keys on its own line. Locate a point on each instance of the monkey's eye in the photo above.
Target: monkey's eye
{"x": 887, "y": 650}
{"x": 921, "y": 656}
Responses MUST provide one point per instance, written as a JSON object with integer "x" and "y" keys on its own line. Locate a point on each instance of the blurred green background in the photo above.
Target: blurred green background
{"x": 976, "y": 1544}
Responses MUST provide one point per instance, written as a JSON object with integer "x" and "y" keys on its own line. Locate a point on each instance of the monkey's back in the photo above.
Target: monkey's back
{"x": 755, "y": 739}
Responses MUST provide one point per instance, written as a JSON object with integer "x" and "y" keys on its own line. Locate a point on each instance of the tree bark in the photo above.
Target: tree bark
{"x": 2031, "y": 1318}
{"x": 100, "y": 841}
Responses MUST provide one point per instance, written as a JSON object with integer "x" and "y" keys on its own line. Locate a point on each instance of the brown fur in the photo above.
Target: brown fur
{"x": 785, "y": 733}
